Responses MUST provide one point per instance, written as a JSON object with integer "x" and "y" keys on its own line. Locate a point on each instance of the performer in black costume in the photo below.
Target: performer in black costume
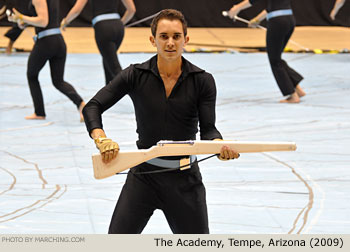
{"x": 13, "y": 33}
{"x": 280, "y": 27}
{"x": 171, "y": 97}
{"x": 109, "y": 29}
{"x": 49, "y": 46}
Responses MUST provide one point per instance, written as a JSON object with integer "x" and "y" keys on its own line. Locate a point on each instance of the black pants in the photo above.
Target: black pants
{"x": 179, "y": 194}
{"x": 13, "y": 33}
{"x": 109, "y": 35}
{"x": 52, "y": 49}
{"x": 279, "y": 31}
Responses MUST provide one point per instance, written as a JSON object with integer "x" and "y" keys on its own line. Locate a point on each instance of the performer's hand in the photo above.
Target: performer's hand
{"x": 332, "y": 15}
{"x": 108, "y": 149}
{"x": 254, "y": 23}
{"x": 15, "y": 16}
{"x": 64, "y": 24}
{"x": 21, "y": 24}
{"x": 233, "y": 12}
{"x": 227, "y": 153}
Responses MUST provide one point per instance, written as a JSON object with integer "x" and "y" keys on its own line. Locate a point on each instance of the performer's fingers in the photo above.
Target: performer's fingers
{"x": 227, "y": 153}
{"x": 110, "y": 155}
{"x": 103, "y": 156}
{"x": 224, "y": 155}
{"x": 235, "y": 154}
{"x": 15, "y": 12}
{"x": 231, "y": 154}
{"x": 64, "y": 24}
{"x": 115, "y": 153}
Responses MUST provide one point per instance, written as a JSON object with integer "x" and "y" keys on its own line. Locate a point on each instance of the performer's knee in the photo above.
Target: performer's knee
{"x": 58, "y": 84}
{"x": 32, "y": 76}
{"x": 276, "y": 62}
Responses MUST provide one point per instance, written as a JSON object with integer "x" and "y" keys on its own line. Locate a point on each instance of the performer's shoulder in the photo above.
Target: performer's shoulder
{"x": 146, "y": 65}
{"x": 203, "y": 76}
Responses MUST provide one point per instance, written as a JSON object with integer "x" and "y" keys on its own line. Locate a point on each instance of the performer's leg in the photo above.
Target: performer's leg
{"x": 279, "y": 31}
{"x": 9, "y": 47}
{"x": 185, "y": 205}
{"x": 108, "y": 72}
{"x": 135, "y": 206}
{"x": 274, "y": 44}
{"x": 109, "y": 36}
{"x": 36, "y": 62}
{"x": 57, "y": 64}
{"x": 12, "y": 34}
{"x": 294, "y": 76}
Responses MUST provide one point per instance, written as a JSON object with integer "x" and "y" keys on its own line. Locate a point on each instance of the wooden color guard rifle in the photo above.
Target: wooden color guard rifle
{"x": 128, "y": 159}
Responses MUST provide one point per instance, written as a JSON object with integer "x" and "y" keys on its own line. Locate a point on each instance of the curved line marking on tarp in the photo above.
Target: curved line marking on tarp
{"x": 309, "y": 205}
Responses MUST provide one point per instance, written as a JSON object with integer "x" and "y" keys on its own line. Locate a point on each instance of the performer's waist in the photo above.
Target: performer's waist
{"x": 48, "y": 32}
{"x": 278, "y": 13}
{"x": 173, "y": 162}
{"x": 102, "y": 17}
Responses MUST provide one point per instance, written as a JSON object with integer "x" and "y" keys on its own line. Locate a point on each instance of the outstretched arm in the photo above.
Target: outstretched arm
{"x": 73, "y": 13}
{"x": 337, "y": 5}
{"x": 130, "y": 10}
{"x": 238, "y": 7}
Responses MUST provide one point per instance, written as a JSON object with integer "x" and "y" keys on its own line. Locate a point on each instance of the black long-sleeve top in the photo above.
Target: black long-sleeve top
{"x": 272, "y": 5}
{"x": 191, "y": 102}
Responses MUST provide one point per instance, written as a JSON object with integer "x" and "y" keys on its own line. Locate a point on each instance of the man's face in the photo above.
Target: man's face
{"x": 169, "y": 39}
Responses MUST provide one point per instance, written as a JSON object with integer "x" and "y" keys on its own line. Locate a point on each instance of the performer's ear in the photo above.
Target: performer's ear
{"x": 153, "y": 41}
{"x": 187, "y": 38}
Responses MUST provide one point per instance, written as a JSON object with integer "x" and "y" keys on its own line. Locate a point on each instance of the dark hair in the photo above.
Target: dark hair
{"x": 169, "y": 14}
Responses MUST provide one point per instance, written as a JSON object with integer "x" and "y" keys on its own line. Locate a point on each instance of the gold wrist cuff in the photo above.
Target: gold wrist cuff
{"x": 99, "y": 140}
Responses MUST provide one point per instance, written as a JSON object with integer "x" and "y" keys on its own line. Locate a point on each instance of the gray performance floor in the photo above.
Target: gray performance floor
{"x": 46, "y": 176}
